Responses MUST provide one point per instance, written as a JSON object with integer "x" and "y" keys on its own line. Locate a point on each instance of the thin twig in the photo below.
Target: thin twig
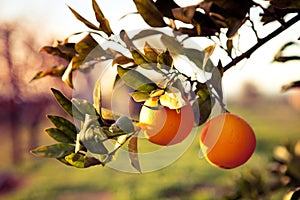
{"x": 253, "y": 28}
{"x": 262, "y": 41}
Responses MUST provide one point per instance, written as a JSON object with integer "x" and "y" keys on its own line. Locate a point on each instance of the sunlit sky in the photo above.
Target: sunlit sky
{"x": 53, "y": 18}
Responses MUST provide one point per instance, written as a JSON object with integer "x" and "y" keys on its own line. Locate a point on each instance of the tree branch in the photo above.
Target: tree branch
{"x": 262, "y": 41}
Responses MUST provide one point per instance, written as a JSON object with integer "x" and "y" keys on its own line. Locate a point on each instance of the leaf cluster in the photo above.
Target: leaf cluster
{"x": 98, "y": 139}
{"x": 96, "y": 142}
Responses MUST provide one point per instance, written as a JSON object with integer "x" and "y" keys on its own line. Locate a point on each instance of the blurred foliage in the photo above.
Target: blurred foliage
{"x": 282, "y": 58}
{"x": 283, "y": 173}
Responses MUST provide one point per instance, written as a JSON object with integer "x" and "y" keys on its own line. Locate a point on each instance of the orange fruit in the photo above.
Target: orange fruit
{"x": 164, "y": 126}
{"x": 227, "y": 141}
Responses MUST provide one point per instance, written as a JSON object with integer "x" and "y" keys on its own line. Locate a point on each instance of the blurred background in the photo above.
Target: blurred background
{"x": 252, "y": 90}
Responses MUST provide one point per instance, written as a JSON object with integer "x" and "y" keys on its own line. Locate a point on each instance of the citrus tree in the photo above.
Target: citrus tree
{"x": 170, "y": 89}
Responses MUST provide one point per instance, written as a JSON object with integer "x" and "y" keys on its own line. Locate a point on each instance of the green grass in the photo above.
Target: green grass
{"x": 188, "y": 178}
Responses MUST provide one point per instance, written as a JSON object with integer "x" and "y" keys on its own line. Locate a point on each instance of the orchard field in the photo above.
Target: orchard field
{"x": 274, "y": 120}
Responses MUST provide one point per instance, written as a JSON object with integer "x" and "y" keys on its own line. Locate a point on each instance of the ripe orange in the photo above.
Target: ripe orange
{"x": 164, "y": 126}
{"x": 227, "y": 141}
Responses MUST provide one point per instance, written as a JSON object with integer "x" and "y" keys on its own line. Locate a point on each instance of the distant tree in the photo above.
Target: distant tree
{"x": 250, "y": 94}
{"x": 22, "y": 105}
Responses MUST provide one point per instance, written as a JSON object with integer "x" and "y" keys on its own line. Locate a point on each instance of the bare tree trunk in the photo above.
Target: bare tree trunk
{"x": 15, "y": 133}
{"x": 15, "y": 113}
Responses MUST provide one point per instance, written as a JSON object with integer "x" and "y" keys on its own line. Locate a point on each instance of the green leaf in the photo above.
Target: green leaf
{"x": 59, "y": 136}
{"x": 87, "y": 49}
{"x": 83, "y": 20}
{"x": 92, "y": 138}
{"x": 141, "y": 59}
{"x": 66, "y": 104}
{"x": 104, "y": 24}
{"x": 86, "y": 45}
{"x": 216, "y": 79}
{"x": 146, "y": 33}
{"x": 64, "y": 50}
{"x": 133, "y": 153}
{"x": 139, "y": 96}
{"x": 84, "y": 106}
{"x": 64, "y": 125}
{"x": 193, "y": 55}
{"x": 55, "y": 71}
{"x": 197, "y": 57}
{"x": 150, "y": 13}
{"x": 172, "y": 44}
{"x": 286, "y": 87}
{"x": 63, "y": 160}
{"x": 136, "y": 80}
{"x": 165, "y": 60}
{"x": 54, "y": 151}
{"x": 203, "y": 105}
{"x": 138, "y": 57}
{"x": 81, "y": 161}
{"x": 125, "y": 124}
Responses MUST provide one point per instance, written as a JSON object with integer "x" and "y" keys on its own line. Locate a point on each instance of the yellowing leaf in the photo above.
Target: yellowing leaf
{"x": 133, "y": 153}
{"x": 104, "y": 24}
{"x": 97, "y": 97}
{"x": 208, "y": 52}
{"x": 67, "y": 76}
{"x": 157, "y": 93}
{"x": 152, "y": 102}
{"x": 55, "y": 71}
{"x": 288, "y": 86}
{"x": 150, "y": 53}
{"x": 122, "y": 60}
{"x": 172, "y": 99}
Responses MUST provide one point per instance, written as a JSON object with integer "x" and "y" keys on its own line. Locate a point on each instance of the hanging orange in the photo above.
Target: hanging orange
{"x": 164, "y": 126}
{"x": 227, "y": 141}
